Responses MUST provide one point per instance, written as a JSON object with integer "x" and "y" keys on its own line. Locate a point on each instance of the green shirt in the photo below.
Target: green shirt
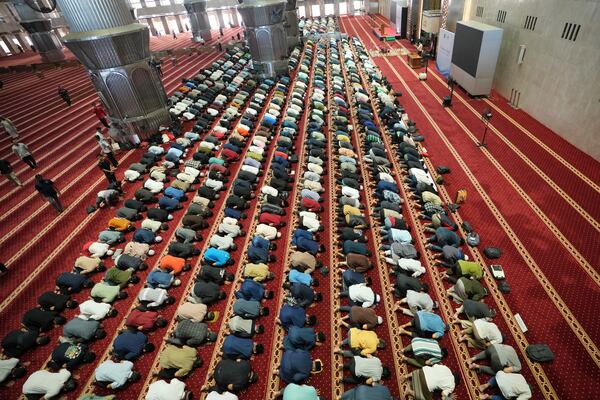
{"x": 299, "y": 392}
{"x": 117, "y": 277}
{"x": 106, "y": 292}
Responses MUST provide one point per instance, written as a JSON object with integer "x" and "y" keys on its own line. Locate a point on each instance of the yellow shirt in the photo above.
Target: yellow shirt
{"x": 349, "y": 210}
{"x": 366, "y": 341}
{"x": 258, "y": 272}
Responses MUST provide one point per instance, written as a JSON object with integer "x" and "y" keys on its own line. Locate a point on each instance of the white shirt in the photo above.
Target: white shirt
{"x": 185, "y": 177}
{"x": 214, "y": 184}
{"x": 269, "y": 190}
{"x": 414, "y": 266}
{"x": 161, "y": 390}
{"x": 317, "y": 169}
{"x": 266, "y": 231}
{"x": 115, "y": 373}
{"x": 191, "y": 171}
{"x": 6, "y": 367}
{"x": 155, "y": 296}
{"x": 20, "y": 150}
{"x": 439, "y": 377}
{"x": 230, "y": 221}
{"x": 221, "y": 242}
{"x": 250, "y": 169}
{"x": 156, "y": 150}
{"x": 488, "y": 331}
{"x": 368, "y": 368}
{"x": 419, "y": 300}
{"x": 151, "y": 225}
{"x": 98, "y": 249}
{"x": 513, "y": 386}
{"x": 308, "y": 214}
{"x": 45, "y": 382}
{"x": 222, "y": 396}
{"x": 362, "y": 293}
{"x": 90, "y": 309}
{"x": 350, "y": 192}
{"x": 131, "y": 175}
{"x": 311, "y": 224}
{"x": 383, "y": 176}
{"x": 153, "y": 186}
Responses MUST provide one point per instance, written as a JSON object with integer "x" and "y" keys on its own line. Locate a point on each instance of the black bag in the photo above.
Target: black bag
{"x": 504, "y": 287}
{"x": 442, "y": 169}
{"x": 492, "y": 252}
{"x": 539, "y": 353}
{"x": 467, "y": 226}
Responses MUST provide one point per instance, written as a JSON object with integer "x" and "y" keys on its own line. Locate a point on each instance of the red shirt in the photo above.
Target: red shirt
{"x": 218, "y": 168}
{"x": 230, "y": 155}
{"x": 145, "y": 319}
{"x": 99, "y": 111}
{"x": 281, "y": 154}
{"x": 310, "y": 204}
{"x": 268, "y": 218}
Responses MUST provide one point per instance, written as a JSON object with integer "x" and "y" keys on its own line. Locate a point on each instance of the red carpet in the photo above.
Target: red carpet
{"x": 527, "y": 297}
{"x": 41, "y": 247}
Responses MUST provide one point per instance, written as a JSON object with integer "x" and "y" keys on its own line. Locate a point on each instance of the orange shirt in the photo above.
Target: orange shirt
{"x": 171, "y": 263}
{"x": 119, "y": 224}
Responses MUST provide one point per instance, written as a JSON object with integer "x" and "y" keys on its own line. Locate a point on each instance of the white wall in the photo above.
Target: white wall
{"x": 559, "y": 80}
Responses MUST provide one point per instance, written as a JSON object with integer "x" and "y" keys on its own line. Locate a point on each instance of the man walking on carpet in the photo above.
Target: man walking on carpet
{"x": 47, "y": 189}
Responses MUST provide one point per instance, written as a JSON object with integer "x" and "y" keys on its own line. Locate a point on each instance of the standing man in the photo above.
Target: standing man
{"x": 21, "y": 150}
{"x": 105, "y": 167}
{"x": 8, "y": 172}
{"x": 47, "y": 189}
{"x": 64, "y": 94}
{"x": 98, "y": 110}
{"x": 106, "y": 149}
{"x": 221, "y": 31}
{"x": 10, "y": 128}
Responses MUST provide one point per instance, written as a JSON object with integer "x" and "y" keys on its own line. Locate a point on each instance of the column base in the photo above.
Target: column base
{"x": 270, "y": 69}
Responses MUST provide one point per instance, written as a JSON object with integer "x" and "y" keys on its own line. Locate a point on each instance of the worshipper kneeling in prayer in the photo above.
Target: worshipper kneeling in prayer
{"x": 425, "y": 381}
{"x": 83, "y": 331}
{"x": 426, "y": 352}
{"x": 191, "y": 333}
{"x": 361, "y": 342}
{"x": 161, "y": 390}
{"x": 46, "y": 385}
{"x": 297, "y": 366}
{"x": 416, "y": 301}
{"x": 178, "y": 361}
{"x": 240, "y": 348}
{"x": 360, "y": 317}
{"x": 42, "y": 320}
{"x": 425, "y": 324}
{"x": 11, "y": 369}
{"x": 18, "y": 342}
{"x": 510, "y": 386}
{"x": 115, "y": 375}
{"x": 145, "y": 320}
{"x": 130, "y": 344}
{"x": 364, "y": 392}
{"x": 502, "y": 358}
{"x": 70, "y": 356}
{"x": 233, "y": 375}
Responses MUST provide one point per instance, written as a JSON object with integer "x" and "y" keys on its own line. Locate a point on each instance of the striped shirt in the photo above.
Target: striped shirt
{"x": 427, "y": 349}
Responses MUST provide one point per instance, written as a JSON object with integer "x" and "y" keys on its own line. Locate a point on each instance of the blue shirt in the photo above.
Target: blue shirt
{"x": 307, "y": 245}
{"x": 354, "y": 247}
{"x": 216, "y": 256}
{"x": 232, "y": 213}
{"x": 174, "y": 193}
{"x": 252, "y": 162}
{"x": 310, "y": 194}
{"x": 292, "y": 316}
{"x": 303, "y": 294}
{"x": 129, "y": 345}
{"x": 383, "y": 185}
{"x": 296, "y": 276}
{"x": 235, "y": 347}
{"x": 299, "y": 338}
{"x": 261, "y": 242}
{"x": 250, "y": 290}
{"x": 142, "y": 235}
{"x": 295, "y": 366}
{"x": 351, "y": 277}
{"x": 430, "y": 322}
{"x": 159, "y": 279}
{"x": 258, "y": 254}
{"x": 168, "y": 203}
{"x": 365, "y": 392}
{"x": 298, "y": 233}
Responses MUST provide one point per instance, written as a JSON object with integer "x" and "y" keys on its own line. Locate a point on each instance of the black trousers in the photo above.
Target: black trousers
{"x": 30, "y": 161}
{"x": 104, "y": 122}
{"x": 110, "y": 176}
{"x": 112, "y": 159}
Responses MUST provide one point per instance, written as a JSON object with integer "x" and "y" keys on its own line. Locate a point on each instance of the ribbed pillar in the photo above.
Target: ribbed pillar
{"x": 199, "y": 19}
{"x": 266, "y": 35}
{"x": 234, "y": 17}
{"x": 291, "y": 23}
{"x": 115, "y": 50}
{"x": 39, "y": 28}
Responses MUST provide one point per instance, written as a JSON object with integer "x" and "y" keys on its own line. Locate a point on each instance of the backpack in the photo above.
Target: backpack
{"x": 439, "y": 180}
{"x": 473, "y": 239}
{"x": 442, "y": 169}
{"x": 492, "y": 252}
{"x": 467, "y": 226}
{"x": 461, "y": 196}
{"x": 539, "y": 353}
